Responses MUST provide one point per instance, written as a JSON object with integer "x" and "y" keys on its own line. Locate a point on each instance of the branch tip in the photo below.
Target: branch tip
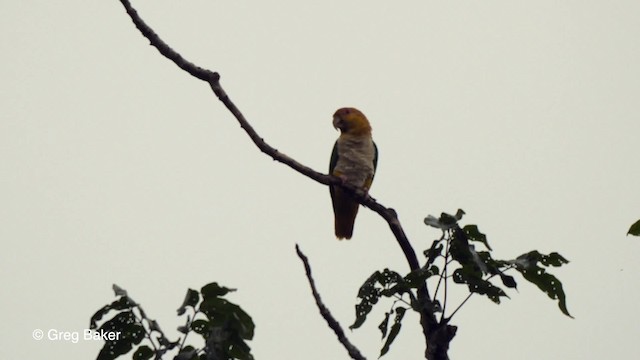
{"x": 354, "y": 353}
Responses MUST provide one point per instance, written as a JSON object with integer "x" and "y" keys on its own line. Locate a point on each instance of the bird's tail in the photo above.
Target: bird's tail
{"x": 345, "y": 210}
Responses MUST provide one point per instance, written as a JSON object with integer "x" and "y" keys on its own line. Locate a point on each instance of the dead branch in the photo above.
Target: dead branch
{"x": 326, "y": 314}
{"x": 213, "y": 79}
{"x": 428, "y": 320}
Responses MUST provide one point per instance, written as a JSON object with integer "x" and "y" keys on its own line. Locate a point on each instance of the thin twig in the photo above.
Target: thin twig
{"x": 326, "y": 314}
{"x": 444, "y": 274}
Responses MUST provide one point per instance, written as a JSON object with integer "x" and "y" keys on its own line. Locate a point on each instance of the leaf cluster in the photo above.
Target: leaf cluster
{"x": 454, "y": 257}
{"x": 390, "y": 284}
{"x": 126, "y": 323}
{"x": 476, "y": 268}
{"x": 223, "y": 325}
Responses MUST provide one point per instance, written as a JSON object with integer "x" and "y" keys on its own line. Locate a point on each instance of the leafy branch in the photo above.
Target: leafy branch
{"x": 224, "y": 327}
{"x": 455, "y": 250}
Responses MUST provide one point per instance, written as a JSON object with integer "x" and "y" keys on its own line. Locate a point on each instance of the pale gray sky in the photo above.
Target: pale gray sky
{"x": 117, "y": 167}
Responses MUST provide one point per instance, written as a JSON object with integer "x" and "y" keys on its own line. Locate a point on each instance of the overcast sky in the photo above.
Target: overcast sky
{"x": 118, "y": 167}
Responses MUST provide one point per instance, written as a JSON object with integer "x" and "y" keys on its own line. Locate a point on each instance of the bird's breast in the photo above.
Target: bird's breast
{"x": 355, "y": 159}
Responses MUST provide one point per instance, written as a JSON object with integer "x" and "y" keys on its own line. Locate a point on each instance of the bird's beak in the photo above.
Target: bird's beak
{"x": 336, "y": 122}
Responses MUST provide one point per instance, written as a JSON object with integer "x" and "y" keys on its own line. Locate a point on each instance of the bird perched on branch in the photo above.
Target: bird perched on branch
{"x": 354, "y": 159}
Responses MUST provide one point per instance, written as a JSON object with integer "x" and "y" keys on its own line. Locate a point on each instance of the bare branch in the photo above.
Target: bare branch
{"x": 213, "y": 78}
{"x": 331, "y": 321}
{"x": 169, "y": 53}
{"x": 428, "y": 319}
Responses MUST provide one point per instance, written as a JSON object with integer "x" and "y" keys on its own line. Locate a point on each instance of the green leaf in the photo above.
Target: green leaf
{"x": 395, "y": 330}
{"x": 240, "y": 350}
{"x": 389, "y": 277}
{"x": 527, "y": 265}
{"x": 120, "y": 304}
{"x": 475, "y": 235}
{"x": 242, "y": 323}
{"x": 223, "y": 342}
{"x": 548, "y": 283}
{"x": 201, "y": 327}
{"x": 392, "y": 284}
{"x": 130, "y": 331}
{"x": 416, "y": 278}
{"x": 477, "y": 284}
{"x": 508, "y": 281}
{"x": 532, "y": 258}
{"x": 214, "y": 290}
{"x": 384, "y": 324}
{"x": 459, "y": 248}
{"x": 634, "y": 229}
{"x": 220, "y": 311}
{"x": 553, "y": 259}
{"x": 143, "y": 353}
{"x": 446, "y": 221}
{"x": 183, "y": 329}
{"x": 434, "y": 251}
{"x": 493, "y": 266}
{"x": 98, "y": 316}
{"x": 432, "y": 221}
{"x": 369, "y": 295}
{"x": 191, "y": 299}
{"x": 118, "y": 290}
{"x": 124, "y": 303}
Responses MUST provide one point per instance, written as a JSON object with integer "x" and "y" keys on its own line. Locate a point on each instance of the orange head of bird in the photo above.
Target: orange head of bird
{"x": 351, "y": 121}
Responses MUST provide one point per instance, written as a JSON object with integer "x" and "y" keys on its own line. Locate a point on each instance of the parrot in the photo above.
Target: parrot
{"x": 354, "y": 159}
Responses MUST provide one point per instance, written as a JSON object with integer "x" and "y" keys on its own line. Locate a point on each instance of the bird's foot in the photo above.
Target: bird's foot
{"x": 343, "y": 179}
